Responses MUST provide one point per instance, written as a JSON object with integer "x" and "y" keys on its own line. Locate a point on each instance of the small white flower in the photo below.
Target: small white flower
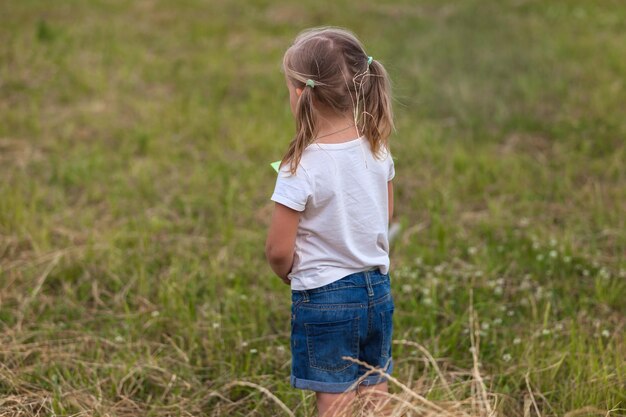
{"x": 244, "y": 344}
{"x": 558, "y": 326}
{"x": 253, "y": 351}
{"x": 567, "y": 259}
{"x": 119, "y": 338}
{"x": 606, "y": 333}
{"x": 553, "y": 254}
{"x": 497, "y": 321}
{"x": 545, "y": 332}
{"x": 536, "y": 245}
{"x": 438, "y": 269}
{"x": 428, "y": 301}
{"x": 419, "y": 261}
{"x": 585, "y": 272}
{"x": 553, "y": 242}
{"x": 517, "y": 341}
{"x": 524, "y": 222}
{"x": 243, "y": 297}
{"x": 510, "y": 313}
{"x": 280, "y": 348}
{"x": 155, "y": 313}
{"x": 506, "y": 357}
{"x": 484, "y": 326}
{"x": 216, "y": 325}
{"x": 472, "y": 250}
{"x": 425, "y": 290}
{"x": 540, "y": 257}
{"x": 407, "y": 288}
{"x": 498, "y": 291}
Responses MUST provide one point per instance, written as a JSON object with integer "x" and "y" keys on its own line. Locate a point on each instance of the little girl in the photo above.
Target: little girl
{"x": 328, "y": 236}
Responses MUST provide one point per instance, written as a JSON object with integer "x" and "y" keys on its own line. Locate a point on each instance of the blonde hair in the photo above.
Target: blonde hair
{"x": 345, "y": 79}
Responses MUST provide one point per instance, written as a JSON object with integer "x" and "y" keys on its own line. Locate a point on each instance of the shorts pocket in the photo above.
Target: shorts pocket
{"x": 328, "y": 342}
{"x": 386, "y": 319}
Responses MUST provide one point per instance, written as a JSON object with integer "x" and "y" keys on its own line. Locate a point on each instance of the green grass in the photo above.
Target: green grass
{"x": 135, "y": 141}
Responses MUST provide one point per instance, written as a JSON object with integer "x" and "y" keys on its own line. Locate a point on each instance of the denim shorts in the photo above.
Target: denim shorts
{"x": 349, "y": 317}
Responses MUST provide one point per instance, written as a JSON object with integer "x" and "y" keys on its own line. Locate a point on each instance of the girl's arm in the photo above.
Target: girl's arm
{"x": 281, "y": 240}
{"x": 390, "y": 198}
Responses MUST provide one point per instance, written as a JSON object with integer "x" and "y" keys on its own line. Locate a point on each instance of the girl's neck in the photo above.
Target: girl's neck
{"x": 336, "y": 129}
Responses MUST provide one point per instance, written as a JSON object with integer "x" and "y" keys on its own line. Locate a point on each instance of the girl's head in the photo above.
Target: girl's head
{"x": 332, "y": 75}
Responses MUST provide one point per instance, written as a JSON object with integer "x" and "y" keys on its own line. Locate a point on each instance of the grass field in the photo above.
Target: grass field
{"x": 135, "y": 141}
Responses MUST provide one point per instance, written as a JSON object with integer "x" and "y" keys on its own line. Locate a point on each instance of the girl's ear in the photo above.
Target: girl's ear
{"x": 298, "y": 91}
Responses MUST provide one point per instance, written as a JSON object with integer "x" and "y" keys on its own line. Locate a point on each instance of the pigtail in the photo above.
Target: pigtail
{"x": 305, "y": 130}
{"x": 377, "y": 112}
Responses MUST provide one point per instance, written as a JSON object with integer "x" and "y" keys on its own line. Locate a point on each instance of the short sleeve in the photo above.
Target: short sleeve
{"x": 392, "y": 169}
{"x": 294, "y": 190}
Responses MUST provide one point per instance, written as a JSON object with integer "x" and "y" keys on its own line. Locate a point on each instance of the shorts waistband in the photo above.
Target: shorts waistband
{"x": 366, "y": 279}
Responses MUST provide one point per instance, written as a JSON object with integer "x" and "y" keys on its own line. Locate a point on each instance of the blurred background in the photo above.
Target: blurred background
{"x": 135, "y": 142}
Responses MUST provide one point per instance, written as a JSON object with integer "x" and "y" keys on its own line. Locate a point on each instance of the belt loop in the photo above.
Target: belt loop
{"x": 305, "y": 296}
{"x": 370, "y": 290}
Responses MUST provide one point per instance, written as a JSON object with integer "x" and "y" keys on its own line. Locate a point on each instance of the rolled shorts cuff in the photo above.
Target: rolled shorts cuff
{"x": 338, "y": 387}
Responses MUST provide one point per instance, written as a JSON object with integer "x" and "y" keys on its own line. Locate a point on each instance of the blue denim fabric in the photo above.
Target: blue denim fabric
{"x": 349, "y": 317}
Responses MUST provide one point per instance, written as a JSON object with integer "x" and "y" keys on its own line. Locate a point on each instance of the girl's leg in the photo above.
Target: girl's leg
{"x": 371, "y": 397}
{"x": 331, "y": 405}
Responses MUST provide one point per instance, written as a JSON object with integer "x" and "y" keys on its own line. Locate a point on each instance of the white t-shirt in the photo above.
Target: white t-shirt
{"x": 341, "y": 191}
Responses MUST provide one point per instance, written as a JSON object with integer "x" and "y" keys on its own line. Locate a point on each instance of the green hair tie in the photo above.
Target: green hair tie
{"x": 310, "y": 83}
{"x": 369, "y": 60}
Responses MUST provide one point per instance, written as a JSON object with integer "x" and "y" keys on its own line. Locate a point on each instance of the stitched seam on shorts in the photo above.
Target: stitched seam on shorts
{"x": 352, "y": 306}
{"x": 321, "y": 290}
{"x": 337, "y": 288}
{"x": 386, "y": 338}
{"x": 297, "y": 304}
{"x": 382, "y": 299}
